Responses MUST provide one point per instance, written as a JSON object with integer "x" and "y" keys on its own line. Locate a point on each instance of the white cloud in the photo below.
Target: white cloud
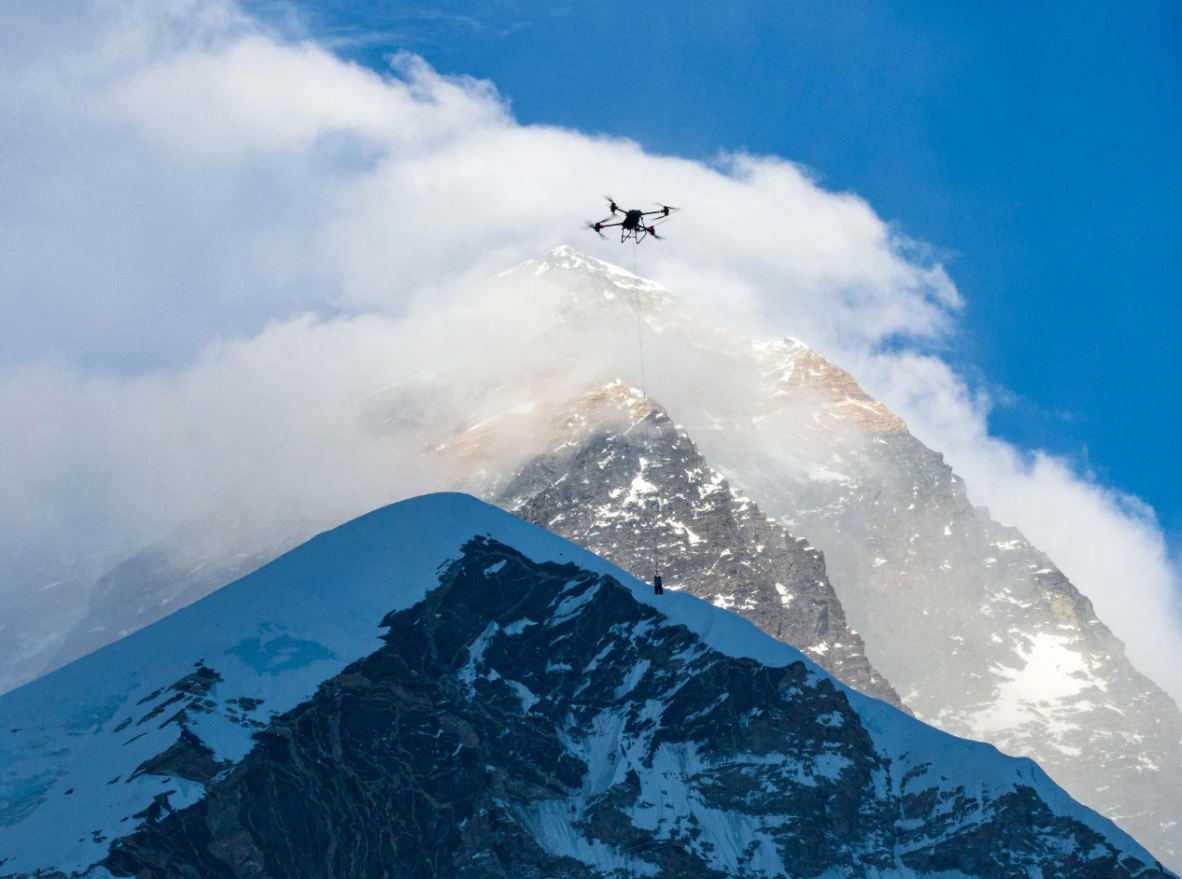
{"x": 206, "y": 178}
{"x": 183, "y": 189}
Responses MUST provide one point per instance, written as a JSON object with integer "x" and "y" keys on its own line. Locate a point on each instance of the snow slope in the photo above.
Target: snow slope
{"x": 273, "y": 636}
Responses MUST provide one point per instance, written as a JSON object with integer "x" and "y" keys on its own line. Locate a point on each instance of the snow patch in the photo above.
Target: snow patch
{"x": 549, "y": 822}
{"x": 1042, "y": 688}
{"x": 528, "y": 699}
{"x": 821, "y": 474}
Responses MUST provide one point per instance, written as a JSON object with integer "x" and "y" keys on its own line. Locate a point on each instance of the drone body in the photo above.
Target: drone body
{"x": 634, "y": 223}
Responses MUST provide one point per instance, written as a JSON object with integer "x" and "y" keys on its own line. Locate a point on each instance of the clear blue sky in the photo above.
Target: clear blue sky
{"x": 1037, "y": 145}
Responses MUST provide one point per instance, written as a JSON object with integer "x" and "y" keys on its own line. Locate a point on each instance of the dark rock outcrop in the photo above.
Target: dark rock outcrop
{"x": 536, "y": 720}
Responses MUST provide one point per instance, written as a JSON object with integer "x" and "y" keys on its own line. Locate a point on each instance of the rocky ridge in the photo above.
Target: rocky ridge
{"x": 535, "y": 720}
{"x": 630, "y": 486}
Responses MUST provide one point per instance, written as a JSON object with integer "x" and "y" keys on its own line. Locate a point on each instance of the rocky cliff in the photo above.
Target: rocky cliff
{"x": 630, "y": 486}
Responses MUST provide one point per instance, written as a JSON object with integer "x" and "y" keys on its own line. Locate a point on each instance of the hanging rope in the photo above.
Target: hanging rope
{"x": 644, "y": 397}
{"x": 640, "y": 346}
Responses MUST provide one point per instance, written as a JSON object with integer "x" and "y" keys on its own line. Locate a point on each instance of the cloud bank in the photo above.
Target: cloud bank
{"x": 219, "y": 243}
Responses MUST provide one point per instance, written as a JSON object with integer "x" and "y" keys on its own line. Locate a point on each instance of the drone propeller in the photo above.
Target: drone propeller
{"x": 611, "y": 201}
{"x": 666, "y": 208}
{"x": 596, "y": 228}
{"x": 651, "y": 231}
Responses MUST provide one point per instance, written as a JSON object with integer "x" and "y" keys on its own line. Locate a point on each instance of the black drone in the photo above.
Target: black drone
{"x": 634, "y": 225}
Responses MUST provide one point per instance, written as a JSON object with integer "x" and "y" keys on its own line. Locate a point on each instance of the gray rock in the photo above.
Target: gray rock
{"x": 640, "y": 494}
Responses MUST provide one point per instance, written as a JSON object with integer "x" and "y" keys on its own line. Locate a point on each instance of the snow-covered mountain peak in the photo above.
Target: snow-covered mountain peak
{"x": 566, "y": 258}
{"x": 585, "y": 288}
{"x": 529, "y": 710}
{"x": 597, "y": 303}
{"x": 788, "y": 369}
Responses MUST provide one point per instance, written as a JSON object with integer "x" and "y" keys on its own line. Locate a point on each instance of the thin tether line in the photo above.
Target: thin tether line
{"x": 643, "y": 384}
{"x": 640, "y": 345}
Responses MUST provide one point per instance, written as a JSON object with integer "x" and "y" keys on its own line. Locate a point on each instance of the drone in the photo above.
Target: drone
{"x": 634, "y": 224}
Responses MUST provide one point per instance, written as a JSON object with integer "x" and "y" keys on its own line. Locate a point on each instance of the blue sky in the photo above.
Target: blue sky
{"x": 1035, "y": 146}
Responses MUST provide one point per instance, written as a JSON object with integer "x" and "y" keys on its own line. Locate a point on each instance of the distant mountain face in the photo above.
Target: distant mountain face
{"x": 978, "y": 631}
{"x": 528, "y": 711}
{"x": 84, "y": 614}
{"x": 169, "y": 575}
{"x": 975, "y": 630}
{"x": 1019, "y": 660}
{"x": 640, "y": 494}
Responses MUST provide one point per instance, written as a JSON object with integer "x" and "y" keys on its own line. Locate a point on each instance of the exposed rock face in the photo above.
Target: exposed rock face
{"x": 980, "y": 632}
{"x": 190, "y": 759}
{"x": 640, "y": 494}
{"x": 535, "y": 720}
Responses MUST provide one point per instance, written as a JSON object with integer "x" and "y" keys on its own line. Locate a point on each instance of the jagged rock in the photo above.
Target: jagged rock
{"x": 536, "y": 720}
{"x": 188, "y": 758}
{"x": 640, "y": 494}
